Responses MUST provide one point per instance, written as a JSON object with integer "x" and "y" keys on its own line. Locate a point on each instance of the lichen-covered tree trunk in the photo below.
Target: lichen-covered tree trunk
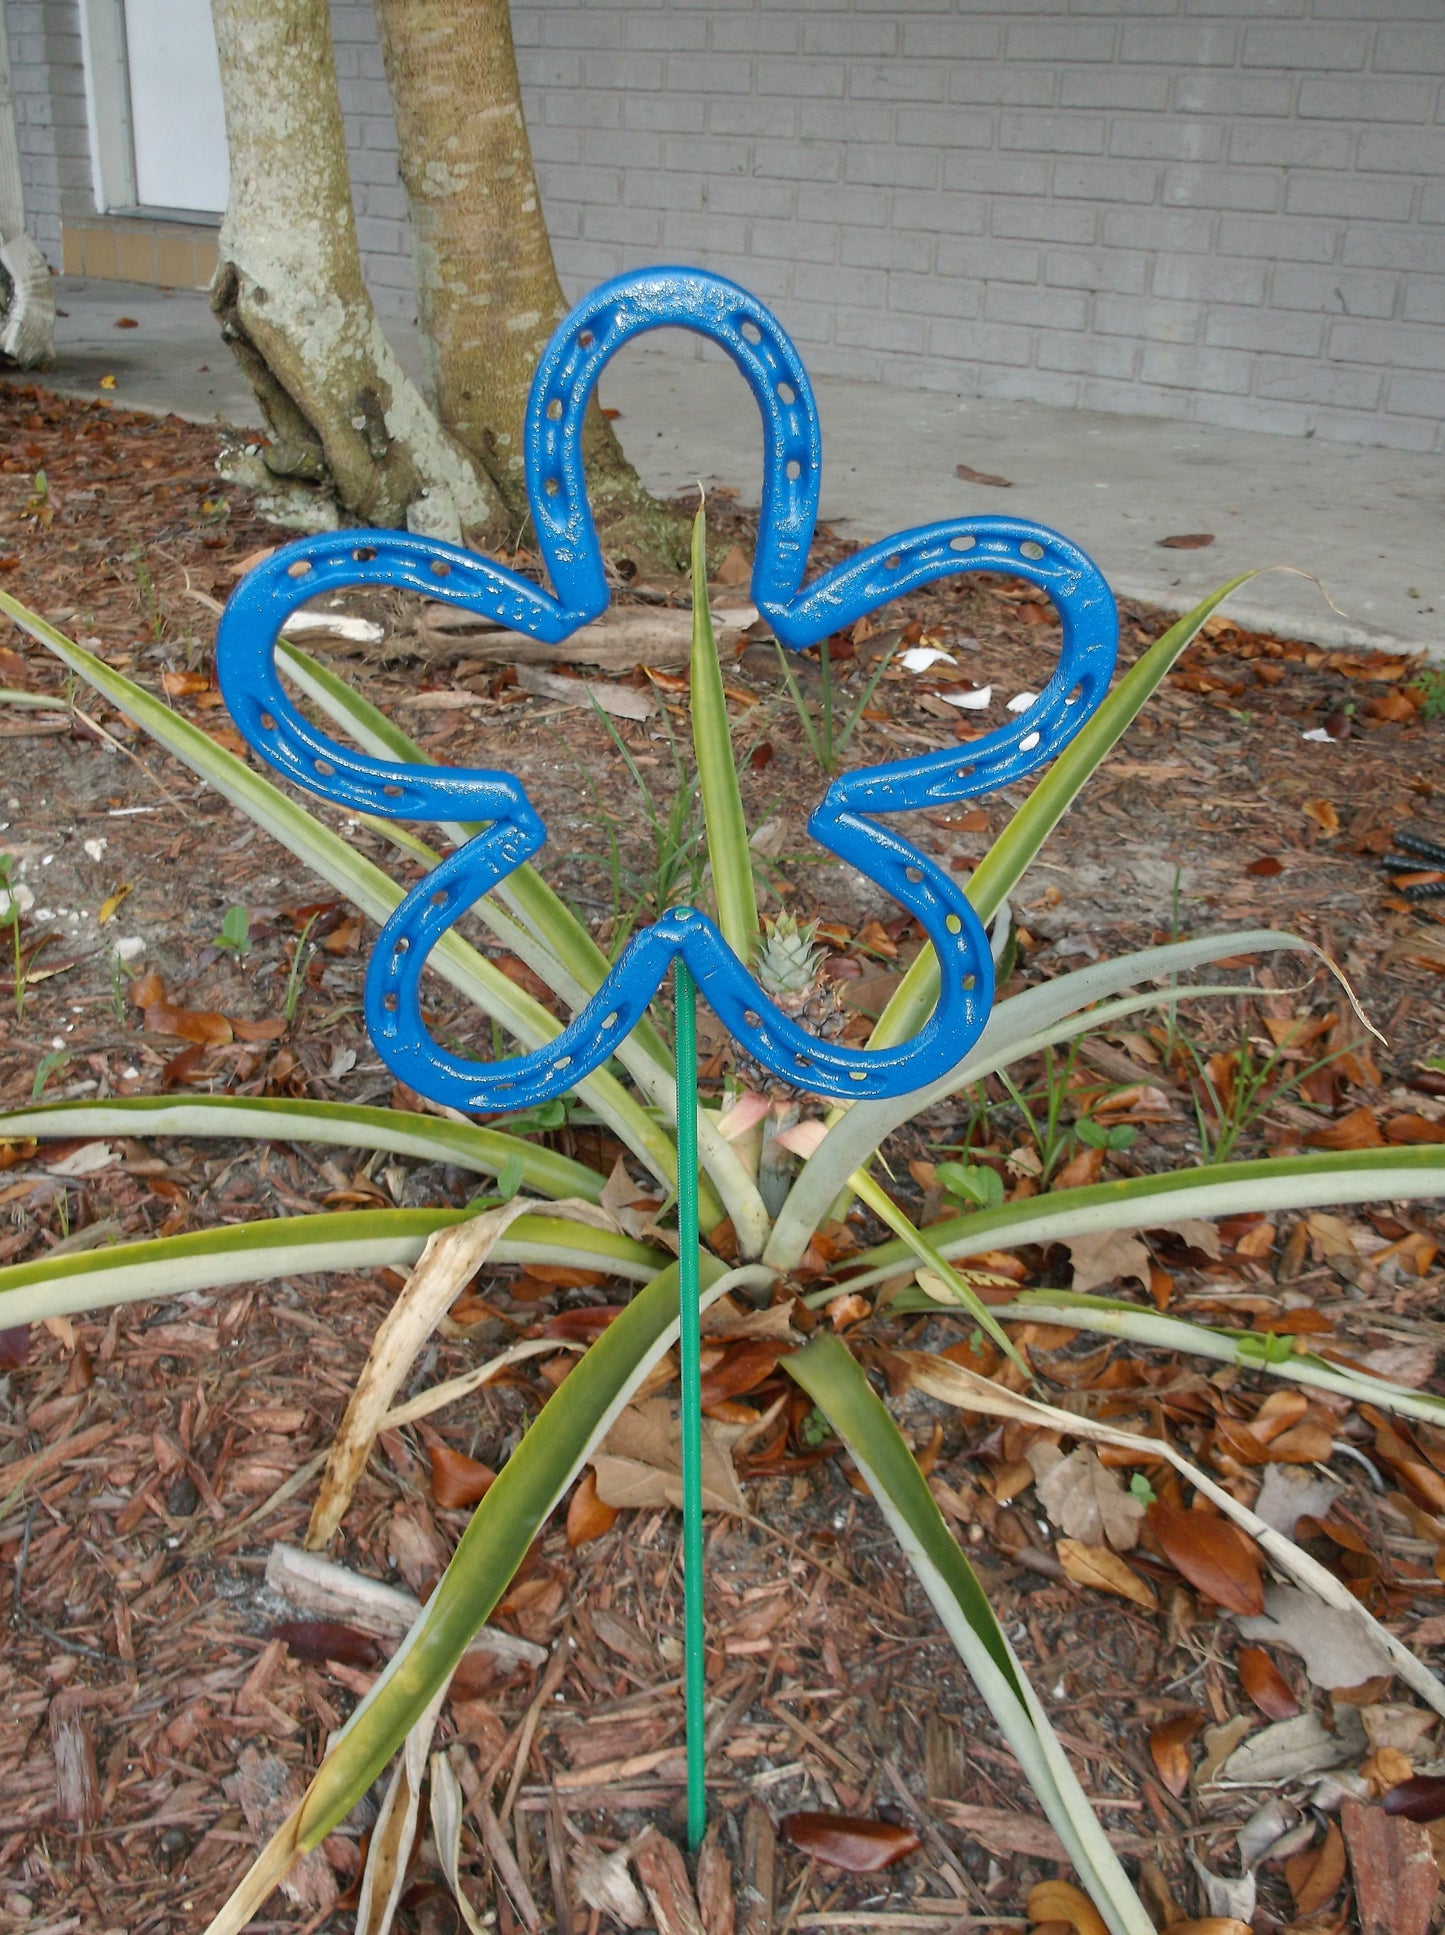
{"x": 487, "y": 289}
{"x": 347, "y": 424}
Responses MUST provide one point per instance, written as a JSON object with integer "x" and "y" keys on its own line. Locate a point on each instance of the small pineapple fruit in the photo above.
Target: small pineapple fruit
{"x": 789, "y": 968}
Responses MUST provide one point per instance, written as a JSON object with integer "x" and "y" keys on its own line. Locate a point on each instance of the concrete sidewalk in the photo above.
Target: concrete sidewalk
{"x": 1370, "y": 524}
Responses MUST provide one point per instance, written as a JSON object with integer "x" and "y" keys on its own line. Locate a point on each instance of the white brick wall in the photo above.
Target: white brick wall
{"x": 49, "y": 84}
{"x": 1231, "y": 211}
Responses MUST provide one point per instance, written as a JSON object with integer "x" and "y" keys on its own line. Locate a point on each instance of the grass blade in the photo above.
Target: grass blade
{"x": 883, "y": 1206}
{"x": 430, "y": 1138}
{"x": 1147, "y": 1202}
{"x": 1251, "y": 1350}
{"x": 722, "y": 803}
{"x": 829, "y": 1375}
{"x": 57, "y": 1286}
{"x": 856, "y": 1133}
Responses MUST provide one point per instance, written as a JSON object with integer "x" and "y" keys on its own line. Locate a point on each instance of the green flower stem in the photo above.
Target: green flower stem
{"x": 527, "y": 1490}
{"x": 690, "y": 1367}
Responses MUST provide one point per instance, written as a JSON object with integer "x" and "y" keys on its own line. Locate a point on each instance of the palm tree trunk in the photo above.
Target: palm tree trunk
{"x": 487, "y": 290}
{"x": 347, "y": 424}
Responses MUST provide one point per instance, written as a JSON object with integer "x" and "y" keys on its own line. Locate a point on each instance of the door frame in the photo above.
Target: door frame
{"x": 107, "y": 104}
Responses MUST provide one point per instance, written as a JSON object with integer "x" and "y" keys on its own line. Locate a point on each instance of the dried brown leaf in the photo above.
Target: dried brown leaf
{"x": 1086, "y": 1501}
{"x": 1324, "y": 815}
{"x": 855, "y": 1843}
{"x": 1314, "y": 1875}
{"x": 449, "y": 1261}
{"x": 1101, "y": 1570}
{"x": 588, "y": 1517}
{"x": 1216, "y": 1559}
{"x": 1169, "y": 1749}
{"x": 187, "y": 1024}
{"x": 1357, "y": 1130}
{"x": 1265, "y": 1684}
{"x": 457, "y": 1480}
{"x": 639, "y": 1462}
{"x": 984, "y": 477}
{"x": 1061, "y": 1901}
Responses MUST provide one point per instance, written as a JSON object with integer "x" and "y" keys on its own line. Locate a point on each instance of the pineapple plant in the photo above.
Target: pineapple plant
{"x": 789, "y": 967}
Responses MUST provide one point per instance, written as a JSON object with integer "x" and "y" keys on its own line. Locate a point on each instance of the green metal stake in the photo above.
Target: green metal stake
{"x": 689, "y": 1352}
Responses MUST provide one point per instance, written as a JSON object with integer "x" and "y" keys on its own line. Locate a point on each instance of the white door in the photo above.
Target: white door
{"x": 177, "y": 126}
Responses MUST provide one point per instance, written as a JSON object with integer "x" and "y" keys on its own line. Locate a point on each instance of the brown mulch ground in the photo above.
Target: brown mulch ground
{"x": 147, "y": 1702}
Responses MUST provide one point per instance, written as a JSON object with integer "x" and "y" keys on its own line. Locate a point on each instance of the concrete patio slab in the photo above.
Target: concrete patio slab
{"x": 1368, "y": 523}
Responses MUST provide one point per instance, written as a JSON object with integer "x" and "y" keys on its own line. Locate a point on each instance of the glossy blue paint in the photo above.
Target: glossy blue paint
{"x": 800, "y": 614}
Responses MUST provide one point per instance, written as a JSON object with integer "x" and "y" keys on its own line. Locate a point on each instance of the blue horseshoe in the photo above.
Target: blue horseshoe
{"x": 799, "y": 614}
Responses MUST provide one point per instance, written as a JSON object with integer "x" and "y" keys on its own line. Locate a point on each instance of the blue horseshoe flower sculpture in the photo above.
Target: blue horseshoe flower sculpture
{"x": 800, "y": 615}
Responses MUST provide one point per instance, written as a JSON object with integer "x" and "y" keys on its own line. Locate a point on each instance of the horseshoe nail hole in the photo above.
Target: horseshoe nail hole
{"x": 786, "y": 393}
{"x": 364, "y": 553}
{"x": 802, "y": 1061}
{"x": 967, "y": 772}
{"x": 964, "y": 543}
{"x": 586, "y": 338}
{"x": 563, "y": 1061}
{"x": 551, "y": 485}
{"x": 392, "y": 792}
{"x": 268, "y": 724}
{"x": 1028, "y": 549}
{"x": 402, "y": 945}
{"x": 750, "y": 333}
{"x": 969, "y": 983}
{"x": 1027, "y": 745}
{"x": 1075, "y": 696}
{"x": 390, "y": 1003}
{"x": 609, "y": 1021}
{"x": 440, "y": 897}
{"x": 953, "y": 923}
{"x": 913, "y": 873}
{"x": 554, "y": 410}
{"x": 857, "y": 1075}
{"x": 892, "y": 564}
{"x": 440, "y": 568}
{"x": 300, "y": 569}
{"x": 324, "y": 767}
{"x": 793, "y": 468}
{"x": 752, "y": 1020}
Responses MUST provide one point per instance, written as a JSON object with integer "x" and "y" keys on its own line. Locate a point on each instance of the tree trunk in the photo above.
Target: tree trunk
{"x": 487, "y": 290}
{"x": 344, "y": 416}
{"x": 27, "y": 302}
